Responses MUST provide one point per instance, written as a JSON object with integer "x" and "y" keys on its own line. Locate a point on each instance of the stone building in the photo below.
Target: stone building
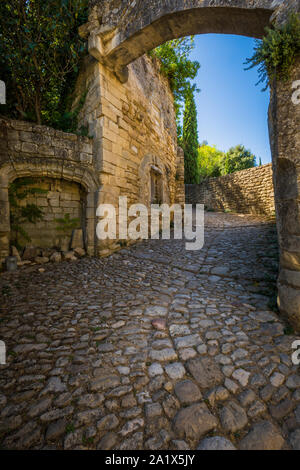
{"x": 119, "y": 32}
{"x": 132, "y": 151}
{"x": 130, "y": 116}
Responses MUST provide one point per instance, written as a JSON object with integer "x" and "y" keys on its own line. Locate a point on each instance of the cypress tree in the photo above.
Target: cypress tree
{"x": 190, "y": 138}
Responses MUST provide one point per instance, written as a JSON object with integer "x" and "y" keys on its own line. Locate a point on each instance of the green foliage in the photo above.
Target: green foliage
{"x": 66, "y": 224}
{"x": 68, "y": 122}
{"x": 276, "y": 52}
{"x": 20, "y": 214}
{"x": 177, "y": 67}
{"x": 210, "y": 161}
{"x": 238, "y": 158}
{"x": 190, "y": 138}
{"x": 213, "y": 162}
{"x": 40, "y": 53}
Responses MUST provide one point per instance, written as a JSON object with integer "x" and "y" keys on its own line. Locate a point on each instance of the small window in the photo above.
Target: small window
{"x": 156, "y": 187}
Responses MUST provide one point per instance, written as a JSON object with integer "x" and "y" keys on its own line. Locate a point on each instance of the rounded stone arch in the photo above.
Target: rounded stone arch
{"x": 117, "y": 38}
{"x": 49, "y": 168}
{"x": 150, "y": 166}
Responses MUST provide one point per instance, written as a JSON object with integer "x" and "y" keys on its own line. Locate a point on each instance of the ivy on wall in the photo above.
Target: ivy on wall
{"x": 275, "y": 54}
{"x": 23, "y": 213}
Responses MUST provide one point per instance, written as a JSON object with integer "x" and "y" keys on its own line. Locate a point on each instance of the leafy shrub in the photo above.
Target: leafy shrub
{"x": 176, "y": 66}
{"x": 20, "y": 214}
{"x": 66, "y": 224}
{"x": 40, "y": 54}
{"x": 276, "y": 52}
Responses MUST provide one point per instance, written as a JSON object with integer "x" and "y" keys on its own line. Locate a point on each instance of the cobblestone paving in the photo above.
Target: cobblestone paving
{"x": 89, "y": 368}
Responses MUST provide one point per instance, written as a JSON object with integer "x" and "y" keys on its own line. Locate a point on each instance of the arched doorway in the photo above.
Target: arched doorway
{"x": 117, "y": 37}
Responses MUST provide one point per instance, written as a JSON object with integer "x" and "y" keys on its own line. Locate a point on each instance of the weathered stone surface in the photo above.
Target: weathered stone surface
{"x": 39, "y": 408}
{"x": 194, "y": 421}
{"x": 29, "y": 253}
{"x": 293, "y": 382}
{"x": 175, "y": 370}
{"x": 282, "y": 409}
{"x": 155, "y": 369}
{"x": 211, "y": 193}
{"x": 295, "y": 439}
{"x": 54, "y": 385}
{"x": 108, "y": 423}
{"x": 132, "y": 31}
{"x": 217, "y": 394}
{"x": 105, "y": 383}
{"x": 159, "y": 323}
{"x": 81, "y": 348}
{"x": 187, "y": 392}
{"x": 79, "y": 252}
{"x": 180, "y": 445}
{"x": 167, "y": 354}
{"x": 55, "y": 430}
{"x": 56, "y": 257}
{"x": 152, "y": 410}
{"x": 263, "y": 436}
{"x": 108, "y": 441}
{"x": 216, "y": 443}
{"x": 233, "y": 417}
{"x": 241, "y": 376}
{"x": 77, "y": 239}
{"x": 205, "y": 371}
{"x": 247, "y": 397}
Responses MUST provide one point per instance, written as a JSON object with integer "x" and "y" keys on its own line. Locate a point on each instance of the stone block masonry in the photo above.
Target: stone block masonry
{"x": 61, "y": 197}
{"x": 61, "y": 162}
{"x": 248, "y": 191}
{"x": 134, "y": 144}
{"x": 135, "y": 137}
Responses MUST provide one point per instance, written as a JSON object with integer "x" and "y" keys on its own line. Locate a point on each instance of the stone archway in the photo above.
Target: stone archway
{"x": 45, "y": 168}
{"x": 154, "y": 184}
{"x": 119, "y": 32}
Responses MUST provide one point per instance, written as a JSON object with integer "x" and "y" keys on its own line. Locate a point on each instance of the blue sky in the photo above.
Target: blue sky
{"x": 231, "y": 109}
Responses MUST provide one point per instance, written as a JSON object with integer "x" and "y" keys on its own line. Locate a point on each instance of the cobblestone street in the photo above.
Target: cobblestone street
{"x": 154, "y": 347}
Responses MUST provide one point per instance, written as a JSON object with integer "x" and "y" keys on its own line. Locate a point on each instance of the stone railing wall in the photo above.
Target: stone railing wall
{"x": 247, "y": 191}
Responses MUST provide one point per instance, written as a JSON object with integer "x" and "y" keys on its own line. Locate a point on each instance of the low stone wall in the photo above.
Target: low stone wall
{"x": 247, "y": 191}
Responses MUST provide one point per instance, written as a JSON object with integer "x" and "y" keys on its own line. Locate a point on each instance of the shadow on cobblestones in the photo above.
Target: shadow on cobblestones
{"x": 87, "y": 368}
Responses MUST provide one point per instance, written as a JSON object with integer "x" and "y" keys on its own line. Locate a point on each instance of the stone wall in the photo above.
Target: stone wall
{"x": 59, "y": 197}
{"x": 284, "y": 124}
{"x": 248, "y": 191}
{"x": 120, "y": 31}
{"x": 28, "y": 150}
{"x": 134, "y": 131}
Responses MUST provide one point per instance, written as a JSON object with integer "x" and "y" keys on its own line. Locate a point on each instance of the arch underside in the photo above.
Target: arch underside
{"x": 46, "y": 167}
{"x": 51, "y": 168}
{"x": 124, "y": 46}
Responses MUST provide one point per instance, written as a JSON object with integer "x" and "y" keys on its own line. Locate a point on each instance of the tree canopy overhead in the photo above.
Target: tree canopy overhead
{"x": 177, "y": 67}
{"x": 40, "y": 52}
